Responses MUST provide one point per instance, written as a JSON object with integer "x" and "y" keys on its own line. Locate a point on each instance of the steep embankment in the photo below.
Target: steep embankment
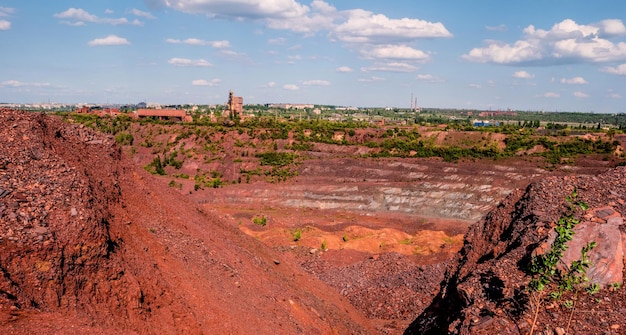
{"x": 485, "y": 290}
{"x": 90, "y": 244}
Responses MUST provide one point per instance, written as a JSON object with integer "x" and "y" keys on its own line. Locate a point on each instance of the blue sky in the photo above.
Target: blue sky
{"x": 522, "y": 55}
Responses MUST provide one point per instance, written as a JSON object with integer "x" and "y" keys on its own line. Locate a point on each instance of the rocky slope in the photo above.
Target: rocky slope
{"x": 91, "y": 244}
{"x": 486, "y": 289}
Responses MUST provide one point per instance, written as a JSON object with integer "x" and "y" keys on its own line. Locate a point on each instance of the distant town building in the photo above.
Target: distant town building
{"x": 290, "y": 106}
{"x": 234, "y": 105}
{"x": 498, "y": 113}
{"x": 163, "y": 114}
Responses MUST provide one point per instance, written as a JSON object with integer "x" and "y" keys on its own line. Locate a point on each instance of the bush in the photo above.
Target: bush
{"x": 124, "y": 139}
{"x": 260, "y": 221}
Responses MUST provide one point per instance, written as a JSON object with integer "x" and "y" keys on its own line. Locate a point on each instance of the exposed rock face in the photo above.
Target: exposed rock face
{"x": 91, "y": 244}
{"x": 485, "y": 288}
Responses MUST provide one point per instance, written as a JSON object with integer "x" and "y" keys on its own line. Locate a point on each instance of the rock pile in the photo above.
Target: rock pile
{"x": 485, "y": 290}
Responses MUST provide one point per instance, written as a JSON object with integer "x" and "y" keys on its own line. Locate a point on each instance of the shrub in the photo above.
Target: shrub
{"x": 260, "y": 221}
{"x": 124, "y": 139}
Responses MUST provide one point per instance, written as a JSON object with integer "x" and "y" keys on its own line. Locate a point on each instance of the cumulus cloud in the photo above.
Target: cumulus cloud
{"x": 344, "y": 69}
{"x": 316, "y": 83}
{"x": 620, "y": 69}
{"x": 189, "y": 62}
{"x": 473, "y": 85}
{"x": 203, "y": 82}
{"x": 565, "y": 42}
{"x": 581, "y": 95}
{"x": 574, "y": 81}
{"x": 523, "y": 75}
{"x": 78, "y": 17}
{"x": 251, "y": 9}
{"x": 366, "y": 27}
{"x": 390, "y": 67}
{"x": 5, "y": 25}
{"x": 395, "y": 52}
{"x": 291, "y": 87}
{"x": 614, "y": 96}
{"x": 109, "y": 40}
{"x": 375, "y": 36}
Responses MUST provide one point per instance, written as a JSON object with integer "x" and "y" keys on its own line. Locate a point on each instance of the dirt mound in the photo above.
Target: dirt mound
{"x": 486, "y": 289}
{"x": 91, "y": 244}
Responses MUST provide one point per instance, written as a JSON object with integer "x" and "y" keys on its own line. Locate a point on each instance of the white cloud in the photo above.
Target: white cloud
{"x": 277, "y": 41}
{"x": 109, "y": 40}
{"x": 203, "y": 82}
{"x": 614, "y": 96}
{"x": 321, "y": 17}
{"x": 220, "y": 44}
{"x": 108, "y": 11}
{"x": 196, "y": 41}
{"x": 291, "y": 87}
{"x": 78, "y": 16}
{"x": 395, "y": 52}
{"x": 475, "y": 85}
{"x": 6, "y": 11}
{"x": 551, "y": 95}
{"x": 501, "y": 27}
{"x": 190, "y": 41}
{"x": 371, "y": 79}
{"x": 189, "y": 62}
{"x": 620, "y": 69}
{"x": 581, "y": 94}
{"x": 251, "y": 9}
{"x": 344, "y": 69}
{"x": 565, "y": 42}
{"x": 574, "y": 81}
{"x": 17, "y": 83}
{"x": 141, "y": 13}
{"x": 271, "y": 84}
{"x": 5, "y": 25}
{"x": 429, "y": 78}
{"x": 390, "y": 67}
{"x": 366, "y": 27}
{"x": 316, "y": 83}
{"x": 523, "y": 75}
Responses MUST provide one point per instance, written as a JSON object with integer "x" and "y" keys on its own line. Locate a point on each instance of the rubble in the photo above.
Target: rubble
{"x": 485, "y": 290}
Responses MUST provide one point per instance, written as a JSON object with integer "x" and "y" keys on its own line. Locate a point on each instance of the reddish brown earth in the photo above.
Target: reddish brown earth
{"x": 91, "y": 243}
{"x": 485, "y": 290}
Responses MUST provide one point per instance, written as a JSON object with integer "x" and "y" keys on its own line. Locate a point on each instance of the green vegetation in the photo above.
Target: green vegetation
{"x": 544, "y": 268}
{"x": 270, "y": 145}
{"x": 297, "y": 234}
{"x": 124, "y": 138}
{"x": 260, "y": 221}
{"x": 212, "y": 180}
{"x": 156, "y": 167}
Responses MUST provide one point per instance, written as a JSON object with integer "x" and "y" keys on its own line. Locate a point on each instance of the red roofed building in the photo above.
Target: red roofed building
{"x": 164, "y": 114}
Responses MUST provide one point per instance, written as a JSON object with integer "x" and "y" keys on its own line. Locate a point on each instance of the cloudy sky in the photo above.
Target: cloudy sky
{"x": 524, "y": 55}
